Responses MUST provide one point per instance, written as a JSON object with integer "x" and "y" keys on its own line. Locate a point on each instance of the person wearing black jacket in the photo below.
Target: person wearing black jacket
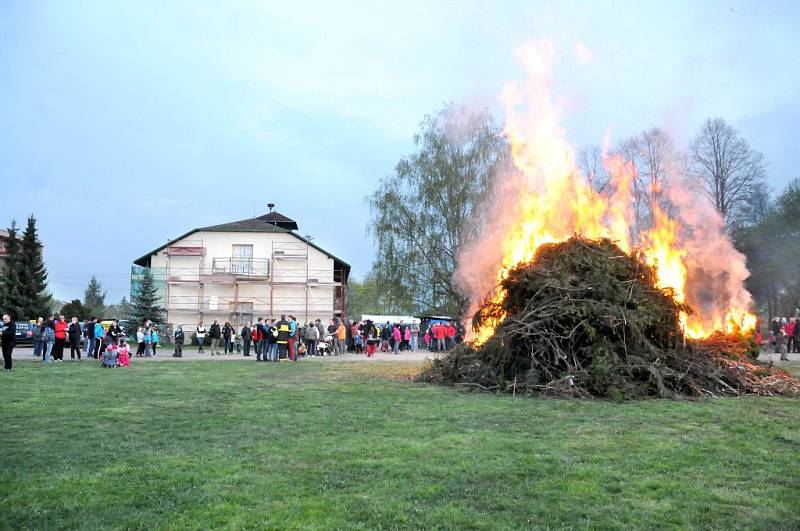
{"x": 271, "y": 353}
{"x": 74, "y": 334}
{"x": 247, "y": 337}
{"x": 114, "y": 333}
{"x": 283, "y": 337}
{"x": 180, "y": 337}
{"x": 227, "y": 333}
{"x": 215, "y": 333}
{"x": 9, "y": 339}
{"x": 386, "y": 334}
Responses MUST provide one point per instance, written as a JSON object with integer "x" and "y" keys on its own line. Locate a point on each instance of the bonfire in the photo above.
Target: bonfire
{"x": 586, "y": 319}
{"x": 630, "y": 289}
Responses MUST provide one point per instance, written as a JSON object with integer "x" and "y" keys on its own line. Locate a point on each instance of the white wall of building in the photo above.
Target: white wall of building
{"x": 288, "y": 293}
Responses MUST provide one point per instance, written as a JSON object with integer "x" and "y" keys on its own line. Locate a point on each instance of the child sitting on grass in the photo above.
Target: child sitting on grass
{"x": 110, "y": 356}
{"x": 123, "y": 355}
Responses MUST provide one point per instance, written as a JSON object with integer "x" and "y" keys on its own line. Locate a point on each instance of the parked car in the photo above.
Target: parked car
{"x": 24, "y": 333}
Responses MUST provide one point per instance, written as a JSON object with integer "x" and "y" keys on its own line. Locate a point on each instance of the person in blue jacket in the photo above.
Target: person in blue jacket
{"x": 99, "y": 336}
{"x": 292, "y": 338}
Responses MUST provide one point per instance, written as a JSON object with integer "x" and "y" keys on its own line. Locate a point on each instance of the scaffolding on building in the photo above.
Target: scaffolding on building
{"x": 279, "y": 270}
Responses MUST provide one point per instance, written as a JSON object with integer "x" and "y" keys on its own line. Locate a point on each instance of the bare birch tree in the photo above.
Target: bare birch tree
{"x": 655, "y": 158}
{"x": 729, "y": 168}
{"x": 590, "y": 162}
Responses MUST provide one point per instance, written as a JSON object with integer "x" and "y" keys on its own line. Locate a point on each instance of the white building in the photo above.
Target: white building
{"x": 244, "y": 270}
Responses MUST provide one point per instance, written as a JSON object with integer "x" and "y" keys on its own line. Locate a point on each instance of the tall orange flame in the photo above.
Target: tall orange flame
{"x": 554, "y": 201}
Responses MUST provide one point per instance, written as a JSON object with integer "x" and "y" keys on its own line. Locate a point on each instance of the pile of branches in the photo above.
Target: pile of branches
{"x": 585, "y": 319}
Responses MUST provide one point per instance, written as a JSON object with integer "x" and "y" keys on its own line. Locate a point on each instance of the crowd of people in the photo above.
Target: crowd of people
{"x": 52, "y": 335}
{"x": 286, "y": 338}
{"x": 784, "y": 335}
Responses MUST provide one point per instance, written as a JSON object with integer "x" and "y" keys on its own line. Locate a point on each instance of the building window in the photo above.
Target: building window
{"x": 242, "y": 260}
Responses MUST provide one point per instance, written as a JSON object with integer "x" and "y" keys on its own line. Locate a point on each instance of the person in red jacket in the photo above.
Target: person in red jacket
{"x": 441, "y": 337}
{"x": 61, "y": 328}
{"x": 451, "y": 335}
{"x": 789, "y": 329}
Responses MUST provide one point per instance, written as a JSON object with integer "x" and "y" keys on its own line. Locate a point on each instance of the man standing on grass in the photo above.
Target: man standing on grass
{"x": 247, "y": 338}
{"x": 215, "y": 333}
{"x": 271, "y": 352}
{"x": 283, "y": 337}
{"x": 9, "y": 338}
{"x": 179, "y": 338}
{"x": 38, "y": 329}
{"x": 74, "y": 335}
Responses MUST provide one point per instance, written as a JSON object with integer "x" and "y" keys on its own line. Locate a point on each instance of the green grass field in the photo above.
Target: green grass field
{"x": 357, "y": 445}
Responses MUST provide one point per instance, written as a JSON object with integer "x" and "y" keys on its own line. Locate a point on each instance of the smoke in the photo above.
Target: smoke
{"x": 479, "y": 260}
{"x": 716, "y": 271}
{"x": 544, "y": 198}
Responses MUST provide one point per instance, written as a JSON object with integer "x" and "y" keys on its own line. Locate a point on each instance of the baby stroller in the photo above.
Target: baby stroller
{"x": 323, "y": 347}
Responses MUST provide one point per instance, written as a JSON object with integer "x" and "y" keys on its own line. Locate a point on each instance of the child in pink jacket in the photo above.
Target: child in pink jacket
{"x": 124, "y": 355}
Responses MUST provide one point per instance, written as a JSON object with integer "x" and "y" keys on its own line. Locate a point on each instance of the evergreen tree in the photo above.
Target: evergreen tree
{"x": 145, "y": 302}
{"x": 94, "y": 298}
{"x": 11, "y": 294}
{"x": 37, "y": 301}
{"x": 75, "y": 309}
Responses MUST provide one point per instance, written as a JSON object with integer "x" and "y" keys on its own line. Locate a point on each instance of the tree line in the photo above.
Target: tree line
{"x": 24, "y": 293}
{"x": 429, "y": 208}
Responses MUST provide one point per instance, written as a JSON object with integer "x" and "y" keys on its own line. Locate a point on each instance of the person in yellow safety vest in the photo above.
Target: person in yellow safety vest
{"x": 283, "y": 337}
{"x": 341, "y": 338}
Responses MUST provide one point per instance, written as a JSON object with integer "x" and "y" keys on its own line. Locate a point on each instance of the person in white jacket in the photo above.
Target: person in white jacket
{"x": 140, "y": 342}
{"x": 201, "y": 337}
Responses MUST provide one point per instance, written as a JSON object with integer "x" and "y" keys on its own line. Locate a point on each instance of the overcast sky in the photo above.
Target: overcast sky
{"x": 124, "y": 124}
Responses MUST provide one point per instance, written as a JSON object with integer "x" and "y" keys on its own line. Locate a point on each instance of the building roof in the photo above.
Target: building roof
{"x": 279, "y": 220}
{"x": 248, "y": 225}
{"x": 245, "y": 225}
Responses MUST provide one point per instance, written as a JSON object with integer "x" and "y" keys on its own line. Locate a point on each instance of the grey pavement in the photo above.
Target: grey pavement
{"x": 164, "y": 353}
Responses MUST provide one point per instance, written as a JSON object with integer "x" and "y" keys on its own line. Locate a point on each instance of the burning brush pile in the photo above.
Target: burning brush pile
{"x": 649, "y": 300}
{"x": 586, "y": 319}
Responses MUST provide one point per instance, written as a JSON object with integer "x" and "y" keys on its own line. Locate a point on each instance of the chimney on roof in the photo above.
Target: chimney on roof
{"x": 271, "y": 206}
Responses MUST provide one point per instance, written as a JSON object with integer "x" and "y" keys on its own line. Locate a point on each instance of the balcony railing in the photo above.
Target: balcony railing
{"x": 243, "y": 267}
